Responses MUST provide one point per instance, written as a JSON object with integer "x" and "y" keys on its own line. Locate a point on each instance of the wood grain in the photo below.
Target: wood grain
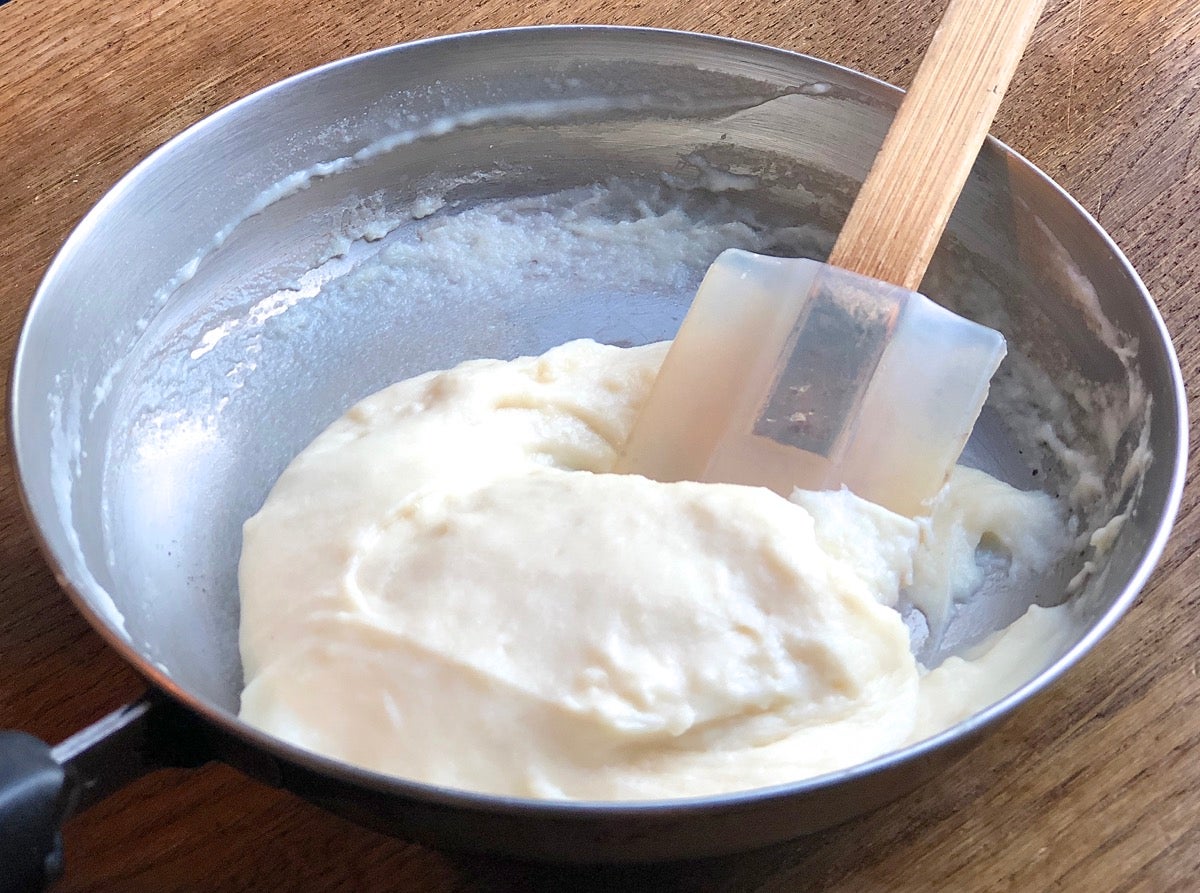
{"x": 914, "y": 183}
{"x": 1095, "y": 787}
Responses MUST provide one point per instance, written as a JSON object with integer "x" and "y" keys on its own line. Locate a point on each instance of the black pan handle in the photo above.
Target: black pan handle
{"x": 42, "y": 786}
{"x": 34, "y": 800}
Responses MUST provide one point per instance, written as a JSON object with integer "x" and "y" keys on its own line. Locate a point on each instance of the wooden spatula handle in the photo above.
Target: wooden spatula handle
{"x": 902, "y": 209}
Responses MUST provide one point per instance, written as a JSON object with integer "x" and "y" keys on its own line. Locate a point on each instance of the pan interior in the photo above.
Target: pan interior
{"x": 188, "y": 371}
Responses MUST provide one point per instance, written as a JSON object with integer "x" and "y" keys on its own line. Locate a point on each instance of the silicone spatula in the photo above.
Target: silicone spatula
{"x": 792, "y": 373}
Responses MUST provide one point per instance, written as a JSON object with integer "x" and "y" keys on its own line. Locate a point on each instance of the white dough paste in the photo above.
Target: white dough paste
{"x": 447, "y": 585}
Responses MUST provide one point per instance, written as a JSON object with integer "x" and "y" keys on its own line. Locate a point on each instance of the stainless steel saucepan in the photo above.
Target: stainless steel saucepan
{"x": 186, "y": 343}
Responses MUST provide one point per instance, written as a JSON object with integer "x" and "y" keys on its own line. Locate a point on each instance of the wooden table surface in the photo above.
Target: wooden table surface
{"x": 1095, "y": 787}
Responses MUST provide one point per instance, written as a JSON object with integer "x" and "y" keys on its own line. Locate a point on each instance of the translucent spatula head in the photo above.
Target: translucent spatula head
{"x": 790, "y": 373}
